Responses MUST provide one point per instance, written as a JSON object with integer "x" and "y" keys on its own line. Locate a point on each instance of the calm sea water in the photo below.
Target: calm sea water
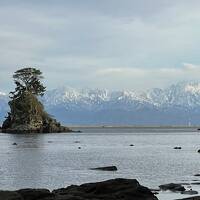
{"x": 55, "y": 160}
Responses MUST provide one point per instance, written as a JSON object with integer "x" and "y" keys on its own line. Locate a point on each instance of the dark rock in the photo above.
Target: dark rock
{"x": 197, "y": 183}
{"x": 177, "y": 147}
{"x": 108, "y": 168}
{"x": 131, "y": 145}
{"x": 198, "y": 151}
{"x": 8, "y": 195}
{"x": 172, "y": 187}
{"x": 14, "y": 143}
{"x": 116, "y": 189}
{"x": 189, "y": 192}
{"x": 79, "y": 147}
{"x": 197, "y": 175}
{"x": 36, "y": 194}
{"x": 77, "y": 131}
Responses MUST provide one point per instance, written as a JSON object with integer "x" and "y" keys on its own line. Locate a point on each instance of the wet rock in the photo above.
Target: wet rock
{"x": 8, "y": 195}
{"x": 116, "y": 189}
{"x": 172, "y": 187}
{"x": 197, "y": 183}
{"x": 177, "y": 147}
{"x": 189, "y": 192}
{"x": 108, "y": 168}
{"x": 36, "y": 194}
{"x": 77, "y": 131}
{"x": 197, "y": 175}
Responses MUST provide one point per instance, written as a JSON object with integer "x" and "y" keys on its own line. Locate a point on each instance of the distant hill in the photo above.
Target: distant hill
{"x": 176, "y": 105}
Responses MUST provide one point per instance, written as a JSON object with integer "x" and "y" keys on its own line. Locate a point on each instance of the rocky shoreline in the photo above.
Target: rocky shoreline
{"x": 114, "y": 189}
{"x": 61, "y": 129}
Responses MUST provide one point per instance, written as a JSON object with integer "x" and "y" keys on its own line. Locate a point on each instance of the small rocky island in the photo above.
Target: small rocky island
{"x": 27, "y": 114}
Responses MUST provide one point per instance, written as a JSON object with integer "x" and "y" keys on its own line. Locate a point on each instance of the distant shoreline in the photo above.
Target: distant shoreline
{"x": 190, "y": 128}
{"x": 136, "y": 127}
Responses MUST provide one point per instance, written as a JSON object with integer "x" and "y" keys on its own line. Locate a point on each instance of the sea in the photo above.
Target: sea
{"x": 61, "y": 159}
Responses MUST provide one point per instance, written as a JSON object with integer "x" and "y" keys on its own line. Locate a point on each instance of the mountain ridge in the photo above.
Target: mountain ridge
{"x": 178, "y": 104}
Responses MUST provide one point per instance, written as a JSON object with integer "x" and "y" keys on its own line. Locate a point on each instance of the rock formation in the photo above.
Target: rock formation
{"x": 120, "y": 189}
{"x": 27, "y": 114}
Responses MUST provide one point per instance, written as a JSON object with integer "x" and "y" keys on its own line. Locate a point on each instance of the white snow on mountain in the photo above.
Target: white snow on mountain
{"x": 152, "y": 106}
{"x": 181, "y": 94}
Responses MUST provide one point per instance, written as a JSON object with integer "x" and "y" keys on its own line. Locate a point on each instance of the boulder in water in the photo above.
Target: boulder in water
{"x": 108, "y": 168}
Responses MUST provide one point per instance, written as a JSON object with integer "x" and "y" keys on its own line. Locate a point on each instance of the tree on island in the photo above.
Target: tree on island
{"x": 27, "y": 113}
{"x": 28, "y": 79}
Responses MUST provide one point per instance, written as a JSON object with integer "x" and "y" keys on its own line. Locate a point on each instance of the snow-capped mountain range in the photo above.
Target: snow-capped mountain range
{"x": 178, "y": 104}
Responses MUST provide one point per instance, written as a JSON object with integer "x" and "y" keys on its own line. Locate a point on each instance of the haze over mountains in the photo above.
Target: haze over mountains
{"x": 176, "y": 105}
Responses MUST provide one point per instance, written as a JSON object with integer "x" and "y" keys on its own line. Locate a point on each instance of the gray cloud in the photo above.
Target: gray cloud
{"x": 72, "y": 41}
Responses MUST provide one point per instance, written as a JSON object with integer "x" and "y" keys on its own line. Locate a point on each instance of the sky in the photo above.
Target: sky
{"x": 114, "y": 44}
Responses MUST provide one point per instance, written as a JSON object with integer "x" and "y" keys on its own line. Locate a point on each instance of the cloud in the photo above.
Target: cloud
{"x": 86, "y": 43}
{"x": 141, "y": 78}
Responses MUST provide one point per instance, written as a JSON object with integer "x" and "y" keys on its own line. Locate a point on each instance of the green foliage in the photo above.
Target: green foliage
{"x": 27, "y": 113}
{"x": 28, "y": 79}
{"x": 26, "y": 109}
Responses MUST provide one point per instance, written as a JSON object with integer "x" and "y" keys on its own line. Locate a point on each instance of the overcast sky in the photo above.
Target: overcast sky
{"x": 114, "y": 44}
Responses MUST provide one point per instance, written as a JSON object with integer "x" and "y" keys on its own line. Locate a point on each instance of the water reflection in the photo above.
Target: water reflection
{"x": 24, "y": 162}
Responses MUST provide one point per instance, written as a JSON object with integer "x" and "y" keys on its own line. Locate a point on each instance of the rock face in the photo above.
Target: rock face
{"x": 172, "y": 187}
{"x": 120, "y": 189}
{"x": 27, "y": 115}
{"x": 116, "y": 189}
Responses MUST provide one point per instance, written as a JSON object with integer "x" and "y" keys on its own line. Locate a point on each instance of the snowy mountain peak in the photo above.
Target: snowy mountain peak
{"x": 193, "y": 88}
{"x": 78, "y": 106}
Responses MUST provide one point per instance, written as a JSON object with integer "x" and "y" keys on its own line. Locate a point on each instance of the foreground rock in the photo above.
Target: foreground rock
{"x": 108, "y": 168}
{"x": 116, "y": 189}
{"x": 172, "y": 187}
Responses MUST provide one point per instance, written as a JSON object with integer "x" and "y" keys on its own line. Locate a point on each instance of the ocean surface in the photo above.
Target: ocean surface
{"x": 58, "y": 160}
